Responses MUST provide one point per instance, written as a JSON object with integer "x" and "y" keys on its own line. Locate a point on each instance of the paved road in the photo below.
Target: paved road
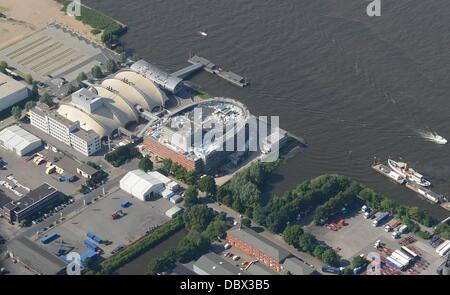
{"x": 6, "y": 122}
{"x": 277, "y": 239}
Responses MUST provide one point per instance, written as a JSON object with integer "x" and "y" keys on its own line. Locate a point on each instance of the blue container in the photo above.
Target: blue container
{"x": 90, "y": 245}
{"x": 49, "y": 238}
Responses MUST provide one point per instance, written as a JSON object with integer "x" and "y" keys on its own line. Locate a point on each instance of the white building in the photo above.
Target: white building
{"x": 11, "y": 92}
{"x": 19, "y": 140}
{"x": 64, "y": 130}
{"x": 141, "y": 185}
{"x": 174, "y": 211}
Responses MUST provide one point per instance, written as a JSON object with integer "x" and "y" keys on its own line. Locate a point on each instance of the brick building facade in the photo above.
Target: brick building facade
{"x": 257, "y": 246}
{"x": 160, "y": 150}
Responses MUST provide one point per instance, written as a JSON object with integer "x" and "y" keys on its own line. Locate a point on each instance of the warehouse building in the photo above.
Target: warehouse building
{"x": 213, "y": 264}
{"x": 264, "y": 250}
{"x": 165, "y": 80}
{"x": 36, "y": 257}
{"x": 35, "y": 200}
{"x": 174, "y": 212}
{"x": 11, "y": 92}
{"x": 87, "y": 171}
{"x": 19, "y": 140}
{"x": 295, "y": 266}
{"x": 144, "y": 186}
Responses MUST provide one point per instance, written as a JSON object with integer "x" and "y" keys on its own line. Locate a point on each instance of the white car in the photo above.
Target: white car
{"x": 235, "y": 258}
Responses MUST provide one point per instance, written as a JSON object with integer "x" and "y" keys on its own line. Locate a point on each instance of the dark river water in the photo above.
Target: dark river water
{"x": 354, "y": 87}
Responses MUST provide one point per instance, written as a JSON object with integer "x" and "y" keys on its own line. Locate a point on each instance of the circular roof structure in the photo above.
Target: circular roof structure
{"x": 144, "y": 85}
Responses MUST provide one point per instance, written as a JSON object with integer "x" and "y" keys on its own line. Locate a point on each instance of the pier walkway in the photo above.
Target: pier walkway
{"x": 198, "y": 62}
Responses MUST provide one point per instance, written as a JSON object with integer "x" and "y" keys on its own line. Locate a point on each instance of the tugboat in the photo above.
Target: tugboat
{"x": 408, "y": 173}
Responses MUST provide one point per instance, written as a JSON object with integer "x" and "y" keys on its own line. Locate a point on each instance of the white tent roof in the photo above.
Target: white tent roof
{"x": 160, "y": 177}
{"x": 17, "y": 138}
{"x": 138, "y": 183}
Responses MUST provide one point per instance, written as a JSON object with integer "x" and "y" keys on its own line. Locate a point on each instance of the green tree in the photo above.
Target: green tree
{"x": 319, "y": 250}
{"x": 81, "y": 77}
{"x": 3, "y": 66}
{"x": 34, "y": 91}
{"x": 348, "y": 271}
{"x": 216, "y": 228}
{"x": 192, "y": 246}
{"x": 191, "y": 196}
{"x": 161, "y": 263}
{"x": 123, "y": 57}
{"x": 246, "y": 222}
{"x": 208, "y": 185}
{"x": 135, "y": 57}
{"x": 97, "y": 72}
{"x": 29, "y": 79}
{"x": 111, "y": 66}
{"x": 330, "y": 257}
{"x": 29, "y": 105}
{"x": 71, "y": 89}
{"x": 16, "y": 112}
{"x": 145, "y": 164}
{"x": 291, "y": 234}
{"x": 307, "y": 243}
{"x": 358, "y": 261}
{"x": 198, "y": 217}
{"x": 46, "y": 98}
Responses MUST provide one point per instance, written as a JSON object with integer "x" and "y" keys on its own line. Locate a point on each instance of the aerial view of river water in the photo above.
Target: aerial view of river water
{"x": 354, "y": 87}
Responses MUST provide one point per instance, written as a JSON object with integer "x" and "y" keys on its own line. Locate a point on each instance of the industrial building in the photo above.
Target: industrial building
{"x": 87, "y": 142}
{"x": 86, "y": 171}
{"x": 144, "y": 186}
{"x": 11, "y": 92}
{"x": 213, "y": 264}
{"x": 264, "y": 250}
{"x": 98, "y": 111}
{"x": 185, "y": 136}
{"x": 32, "y": 202}
{"x": 174, "y": 212}
{"x": 36, "y": 257}
{"x": 165, "y": 80}
{"x": 295, "y": 266}
{"x": 19, "y": 140}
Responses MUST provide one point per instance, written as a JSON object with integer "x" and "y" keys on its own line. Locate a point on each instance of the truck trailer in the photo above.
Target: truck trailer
{"x": 444, "y": 251}
{"x": 442, "y": 246}
{"x": 380, "y": 218}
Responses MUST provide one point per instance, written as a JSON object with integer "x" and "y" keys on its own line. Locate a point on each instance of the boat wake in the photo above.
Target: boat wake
{"x": 432, "y": 136}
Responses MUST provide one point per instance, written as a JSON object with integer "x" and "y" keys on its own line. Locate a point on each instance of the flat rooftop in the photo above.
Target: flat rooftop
{"x": 4, "y": 199}
{"x": 34, "y": 196}
{"x": 9, "y": 86}
{"x": 35, "y": 257}
{"x": 213, "y": 264}
{"x": 199, "y": 118}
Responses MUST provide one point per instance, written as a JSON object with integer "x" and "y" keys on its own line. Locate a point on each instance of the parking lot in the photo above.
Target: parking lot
{"x": 138, "y": 218}
{"x": 359, "y": 236}
{"x": 31, "y": 175}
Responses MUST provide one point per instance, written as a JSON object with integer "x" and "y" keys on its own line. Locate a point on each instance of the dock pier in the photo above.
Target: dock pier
{"x": 199, "y": 62}
{"x": 424, "y": 192}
